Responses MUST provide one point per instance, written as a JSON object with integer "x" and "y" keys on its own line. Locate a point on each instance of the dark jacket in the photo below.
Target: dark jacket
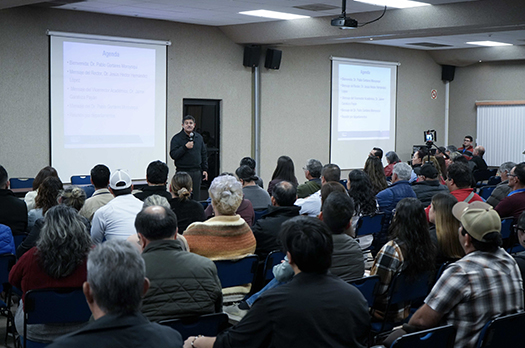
{"x": 425, "y": 190}
{"x": 182, "y": 283}
{"x": 153, "y": 190}
{"x": 312, "y": 310}
{"x": 389, "y": 197}
{"x": 189, "y": 159}
{"x": 266, "y": 229}
{"x": 500, "y": 191}
{"x": 347, "y": 258}
{"x": 188, "y": 211}
{"x": 113, "y": 330}
{"x": 480, "y": 163}
{"x": 13, "y": 212}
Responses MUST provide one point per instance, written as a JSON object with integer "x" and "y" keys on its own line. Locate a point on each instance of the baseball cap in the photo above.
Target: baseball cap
{"x": 478, "y": 218}
{"x": 120, "y": 180}
{"x": 428, "y": 171}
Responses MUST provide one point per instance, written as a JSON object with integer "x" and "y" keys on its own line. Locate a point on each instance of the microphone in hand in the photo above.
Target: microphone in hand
{"x": 191, "y": 136}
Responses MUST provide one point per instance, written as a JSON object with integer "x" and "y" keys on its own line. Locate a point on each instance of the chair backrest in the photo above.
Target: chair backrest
{"x": 369, "y": 224}
{"x": 259, "y": 214}
{"x": 504, "y": 331}
{"x": 494, "y": 180}
{"x": 438, "y": 337}
{"x": 81, "y": 180}
{"x": 237, "y": 272}
{"x": 272, "y": 259}
{"x": 367, "y": 286}
{"x": 482, "y": 175}
{"x": 19, "y": 183}
{"x": 506, "y": 227}
{"x": 6, "y": 262}
{"x": 207, "y": 325}
{"x": 486, "y": 191}
{"x": 67, "y": 305}
{"x": 405, "y": 290}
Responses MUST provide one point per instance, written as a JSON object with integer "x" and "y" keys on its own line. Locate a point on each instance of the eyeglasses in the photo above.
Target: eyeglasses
{"x": 512, "y": 175}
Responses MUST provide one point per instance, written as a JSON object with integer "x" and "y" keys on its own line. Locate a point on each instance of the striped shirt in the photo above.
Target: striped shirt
{"x": 475, "y": 289}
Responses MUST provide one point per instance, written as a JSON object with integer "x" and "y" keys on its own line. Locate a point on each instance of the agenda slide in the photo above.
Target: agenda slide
{"x": 108, "y": 104}
{"x": 363, "y": 110}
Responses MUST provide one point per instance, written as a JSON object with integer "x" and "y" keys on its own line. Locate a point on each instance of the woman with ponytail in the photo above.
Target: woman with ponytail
{"x": 186, "y": 209}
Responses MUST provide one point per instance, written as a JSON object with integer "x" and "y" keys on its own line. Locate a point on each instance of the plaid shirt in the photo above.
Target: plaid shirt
{"x": 475, "y": 289}
{"x": 389, "y": 261}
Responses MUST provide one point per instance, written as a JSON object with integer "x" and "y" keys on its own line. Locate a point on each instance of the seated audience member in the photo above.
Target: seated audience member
{"x": 428, "y": 184}
{"x": 520, "y": 234}
{"x": 100, "y": 180}
{"x": 13, "y": 211}
{"x": 116, "y": 283}
{"x": 441, "y": 157}
{"x": 410, "y": 250}
{"x": 391, "y": 158}
{"x": 250, "y": 162}
{"x": 347, "y": 257}
{"x": 156, "y": 200}
{"x": 266, "y": 229}
{"x": 376, "y": 152}
{"x": 115, "y": 219}
{"x": 259, "y": 198}
{"x": 418, "y": 159}
{"x": 376, "y": 173}
{"x": 514, "y": 204}
{"x": 502, "y": 189}
{"x": 311, "y": 205}
{"x": 57, "y": 261}
{"x": 245, "y": 209}
{"x": 360, "y": 190}
{"x": 477, "y": 158}
{"x": 315, "y": 309}
{"x": 190, "y": 287}
{"x": 187, "y": 210}
{"x": 39, "y": 178}
{"x": 46, "y": 198}
{"x": 312, "y": 172}
{"x": 485, "y": 278}
{"x": 156, "y": 177}
{"x": 444, "y": 230}
{"x": 467, "y": 148}
{"x": 7, "y": 242}
{"x": 452, "y": 153}
{"x": 459, "y": 182}
{"x": 226, "y": 235}
{"x": 73, "y": 197}
{"x": 284, "y": 171}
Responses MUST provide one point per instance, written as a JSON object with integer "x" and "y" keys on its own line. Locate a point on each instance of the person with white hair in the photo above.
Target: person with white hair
{"x": 226, "y": 235}
{"x": 502, "y": 189}
{"x": 116, "y": 283}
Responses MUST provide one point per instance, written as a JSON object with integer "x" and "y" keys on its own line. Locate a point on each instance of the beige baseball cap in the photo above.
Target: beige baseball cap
{"x": 478, "y": 218}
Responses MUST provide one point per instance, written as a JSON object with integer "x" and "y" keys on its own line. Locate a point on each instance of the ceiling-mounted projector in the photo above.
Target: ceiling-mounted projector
{"x": 344, "y": 23}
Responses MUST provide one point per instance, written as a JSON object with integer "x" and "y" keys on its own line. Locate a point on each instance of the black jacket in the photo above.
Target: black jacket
{"x": 153, "y": 190}
{"x": 266, "y": 229}
{"x": 13, "y": 212}
{"x": 189, "y": 159}
{"x": 121, "y": 331}
{"x": 425, "y": 190}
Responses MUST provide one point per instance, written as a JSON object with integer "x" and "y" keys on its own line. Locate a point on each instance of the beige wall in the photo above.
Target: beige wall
{"x": 484, "y": 81}
{"x": 204, "y": 63}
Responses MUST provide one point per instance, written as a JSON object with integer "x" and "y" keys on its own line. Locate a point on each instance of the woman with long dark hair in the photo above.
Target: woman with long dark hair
{"x": 58, "y": 260}
{"x": 39, "y": 178}
{"x": 410, "y": 251}
{"x": 360, "y": 189}
{"x": 376, "y": 173}
{"x": 48, "y": 193}
{"x": 445, "y": 227}
{"x": 284, "y": 171}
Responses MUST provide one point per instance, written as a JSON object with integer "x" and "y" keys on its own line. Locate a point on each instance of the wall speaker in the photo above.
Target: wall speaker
{"x": 252, "y": 55}
{"x": 273, "y": 59}
{"x": 447, "y": 72}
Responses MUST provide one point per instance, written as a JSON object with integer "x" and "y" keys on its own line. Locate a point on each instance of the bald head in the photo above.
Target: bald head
{"x": 479, "y": 151}
{"x": 156, "y": 223}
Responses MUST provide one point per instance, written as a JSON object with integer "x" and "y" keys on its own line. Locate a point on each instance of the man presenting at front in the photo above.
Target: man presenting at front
{"x": 189, "y": 153}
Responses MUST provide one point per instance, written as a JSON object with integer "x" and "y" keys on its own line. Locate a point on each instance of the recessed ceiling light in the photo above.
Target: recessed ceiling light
{"x": 395, "y": 3}
{"x": 488, "y": 43}
{"x": 272, "y": 14}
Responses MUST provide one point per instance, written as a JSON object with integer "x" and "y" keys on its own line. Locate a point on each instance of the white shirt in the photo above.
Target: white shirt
{"x": 116, "y": 220}
{"x": 310, "y": 205}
